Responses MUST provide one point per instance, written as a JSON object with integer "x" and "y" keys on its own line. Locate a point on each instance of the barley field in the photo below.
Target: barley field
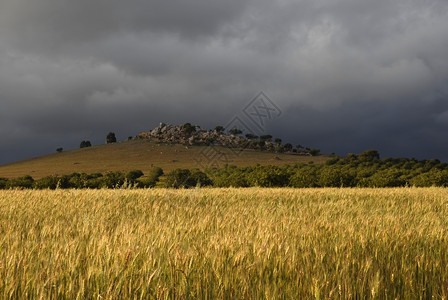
{"x": 224, "y": 244}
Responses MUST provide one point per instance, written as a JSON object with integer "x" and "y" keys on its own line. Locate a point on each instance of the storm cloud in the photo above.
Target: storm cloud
{"x": 348, "y": 75}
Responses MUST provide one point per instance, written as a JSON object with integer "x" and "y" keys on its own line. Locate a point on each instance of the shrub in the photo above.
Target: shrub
{"x": 305, "y": 177}
{"x": 85, "y": 144}
{"x": 386, "y": 178}
{"x": 287, "y": 147}
{"x": 132, "y": 176}
{"x": 369, "y": 155}
{"x": 3, "y": 182}
{"x": 200, "y": 178}
{"x": 49, "y": 182}
{"x": 25, "y": 182}
{"x": 179, "y": 178}
{"x": 265, "y": 138}
{"x": 110, "y": 138}
{"x": 235, "y": 131}
{"x": 184, "y": 178}
{"x": 267, "y": 176}
{"x": 431, "y": 178}
{"x": 151, "y": 179}
{"x": 335, "y": 177}
{"x": 219, "y": 129}
{"x": 314, "y": 152}
{"x": 188, "y": 128}
{"x": 113, "y": 180}
{"x": 94, "y": 181}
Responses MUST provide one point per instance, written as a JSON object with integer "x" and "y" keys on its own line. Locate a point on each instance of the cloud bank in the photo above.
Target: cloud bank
{"x": 348, "y": 75}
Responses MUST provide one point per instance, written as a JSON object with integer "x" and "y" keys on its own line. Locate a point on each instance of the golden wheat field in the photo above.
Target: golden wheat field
{"x": 224, "y": 243}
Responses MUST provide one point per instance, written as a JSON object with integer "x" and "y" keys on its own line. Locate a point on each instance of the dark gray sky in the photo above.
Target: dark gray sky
{"x": 347, "y": 75}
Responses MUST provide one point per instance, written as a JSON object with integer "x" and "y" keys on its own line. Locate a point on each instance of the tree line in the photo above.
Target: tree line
{"x": 363, "y": 170}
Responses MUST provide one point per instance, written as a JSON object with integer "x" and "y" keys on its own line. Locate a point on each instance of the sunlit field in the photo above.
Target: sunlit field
{"x": 224, "y": 243}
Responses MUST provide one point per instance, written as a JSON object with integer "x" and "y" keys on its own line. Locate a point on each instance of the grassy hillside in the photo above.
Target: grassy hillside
{"x": 143, "y": 155}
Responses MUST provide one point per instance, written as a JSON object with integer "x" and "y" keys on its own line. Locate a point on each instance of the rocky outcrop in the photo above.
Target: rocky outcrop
{"x": 194, "y": 135}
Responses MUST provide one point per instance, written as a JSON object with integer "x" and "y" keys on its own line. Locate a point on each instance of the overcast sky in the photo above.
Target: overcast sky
{"x": 346, "y": 75}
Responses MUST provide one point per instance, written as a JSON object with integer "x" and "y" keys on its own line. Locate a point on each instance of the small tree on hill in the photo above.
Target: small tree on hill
{"x": 287, "y": 147}
{"x": 188, "y": 128}
{"x": 235, "y": 131}
{"x": 251, "y": 136}
{"x": 369, "y": 155}
{"x": 85, "y": 144}
{"x": 266, "y": 137}
{"x": 60, "y": 149}
{"x": 314, "y": 152}
{"x": 110, "y": 138}
{"x": 219, "y": 129}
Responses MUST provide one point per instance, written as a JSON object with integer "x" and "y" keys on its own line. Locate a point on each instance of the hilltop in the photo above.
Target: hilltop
{"x": 166, "y": 146}
{"x": 194, "y": 135}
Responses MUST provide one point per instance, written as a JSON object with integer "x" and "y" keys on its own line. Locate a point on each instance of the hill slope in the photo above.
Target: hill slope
{"x": 142, "y": 155}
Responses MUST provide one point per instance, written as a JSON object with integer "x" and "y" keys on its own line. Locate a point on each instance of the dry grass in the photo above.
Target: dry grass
{"x": 142, "y": 155}
{"x": 224, "y": 243}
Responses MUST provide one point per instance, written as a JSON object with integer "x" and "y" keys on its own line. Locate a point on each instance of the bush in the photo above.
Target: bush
{"x": 188, "y": 128}
{"x": 110, "y": 138}
{"x": 151, "y": 179}
{"x": 179, "y": 178}
{"x": 113, "y": 180}
{"x": 235, "y": 131}
{"x": 200, "y": 178}
{"x": 3, "y": 182}
{"x": 146, "y": 182}
{"x": 219, "y": 129}
{"x": 94, "y": 181}
{"x": 431, "y": 178}
{"x": 386, "y": 178}
{"x": 49, "y": 182}
{"x": 287, "y": 147}
{"x": 306, "y": 177}
{"x": 184, "y": 178}
{"x": 25, "y": 182}
{"x": 369, "y": 155}
{"x": 335, "y": 177}
{"x": 314, "y": 152}
{"x": 133, "y": 175}
{"x": 85, "y": 144}
{"x": 268, "y": 176}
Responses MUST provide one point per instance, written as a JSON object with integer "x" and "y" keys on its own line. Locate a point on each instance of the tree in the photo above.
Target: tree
{"x": 266, "y": 137}
{"x": 133, "y": 175}
{"x": 235, "y": 131}
{"x": 179, "y": 178}
{"x": 219, "y": 129}
{"x": 369, "y": 155}
{"x": 25, "y": 182}
{"x": 60, "y": 149}
{"x": 3, "y": 183}
{"x": 151, "y": 179}
{"x": 251, "y": 136}
{"x": 110, "y": 138}
{"x": 287, "y": 147}
{"x": 278, "y": 141}
{"x": 188, "y": 128}
{"x": 314, "y": 152}
{"x": 85, "y": 144}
